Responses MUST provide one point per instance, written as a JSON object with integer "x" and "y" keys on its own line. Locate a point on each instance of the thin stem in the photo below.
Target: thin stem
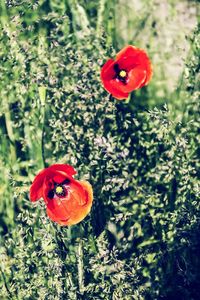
{"x": 62, "y": 253}
{"x": 100, "y": 17}
{"x": 80, "y": 266}
{"x": 10, "y": 132}
{"x": 5, "y": 283}
{"x": 42, "y": 142}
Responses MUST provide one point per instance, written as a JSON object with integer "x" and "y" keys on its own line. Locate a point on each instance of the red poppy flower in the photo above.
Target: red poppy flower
{"x": 130, "y": 71}
{"x": 68, "y": 201}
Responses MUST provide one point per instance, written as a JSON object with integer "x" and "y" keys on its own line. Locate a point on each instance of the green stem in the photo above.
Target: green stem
{"x": 80, "y": 266}
{"x": 42, "y": 95}
{"x": 42, "y": 141}
{"x": 10, "y": 132}
{"x": 100, "y": 17}
{"x": 5, "y": 284}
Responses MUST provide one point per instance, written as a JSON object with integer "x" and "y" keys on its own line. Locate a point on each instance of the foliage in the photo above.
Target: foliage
{"x": 141, "y": 239}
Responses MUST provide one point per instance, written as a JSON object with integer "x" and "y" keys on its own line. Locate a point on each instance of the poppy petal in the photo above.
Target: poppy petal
{"x": 58, "y": 206}
{"x": 54, "y": 218}
{"x": 133, "y": 60}
{"x": 36, "y": 190}
{"x": 131, "y": 57}
{"x": 59, "y": 177}
{"x": 114, "y": 90}
{"x": 69, "y": 170}
{"x": 77, "y": 194}
{"x": 78, "y": 215}
{"x": 140, "y": 58}
{"x": 73, "y": 204}
{"x": 72, "y": 209}
{"x": 127, "y": 51}
{"x": 135, "y": 78}
{"x": 87, "y": 186}
{"x": 57, "y": 211}
{"x": 107, "y": 71}
{"x": 149, "y": 70}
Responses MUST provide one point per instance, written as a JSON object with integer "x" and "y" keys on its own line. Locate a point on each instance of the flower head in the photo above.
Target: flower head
{"x": 68, "y": 201}
{"x": 130, "y": 70}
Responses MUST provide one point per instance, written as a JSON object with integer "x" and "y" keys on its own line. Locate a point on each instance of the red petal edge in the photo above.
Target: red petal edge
{"x": 36, "y": 189}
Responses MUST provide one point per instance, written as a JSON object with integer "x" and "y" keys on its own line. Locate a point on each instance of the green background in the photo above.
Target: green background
{"x": 141, "y": 239}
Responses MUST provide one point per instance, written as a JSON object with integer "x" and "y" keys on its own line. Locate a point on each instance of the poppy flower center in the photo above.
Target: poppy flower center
{"x": 122, "y": 73}
{"x": 59, "y": 190}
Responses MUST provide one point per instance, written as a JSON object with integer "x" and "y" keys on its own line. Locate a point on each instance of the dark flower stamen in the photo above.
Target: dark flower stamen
{"x": 121, "y": 74}
{"x": 51, "y": 194}
{"x": 116, "y": 68}
{"x": 59, "y": 190}
{"x": 66, "y": 181}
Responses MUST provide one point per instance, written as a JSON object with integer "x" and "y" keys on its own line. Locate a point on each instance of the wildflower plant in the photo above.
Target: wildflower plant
{"x": 140, "y": 240}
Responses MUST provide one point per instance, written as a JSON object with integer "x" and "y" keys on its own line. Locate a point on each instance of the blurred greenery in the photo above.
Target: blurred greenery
{"x": 141, "y": 240}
